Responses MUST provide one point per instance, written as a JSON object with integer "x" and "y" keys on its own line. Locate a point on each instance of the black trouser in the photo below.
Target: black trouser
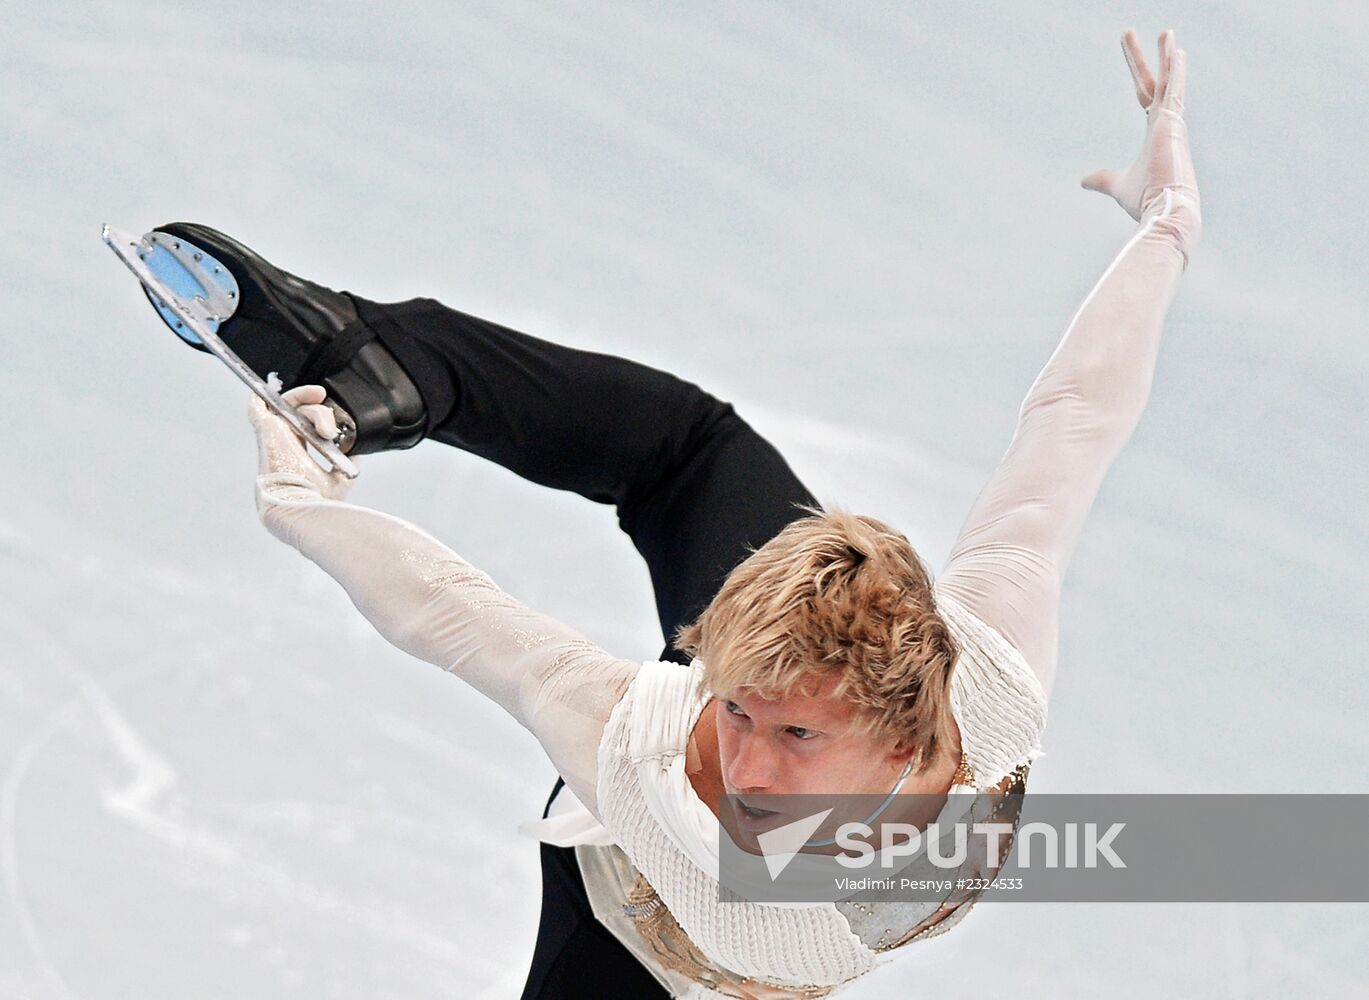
{"x": 694, "y": 486}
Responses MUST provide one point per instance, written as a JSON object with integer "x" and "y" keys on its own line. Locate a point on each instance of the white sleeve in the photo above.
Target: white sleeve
{"x": 1009, "y": 561}
{"x": 425, "y": 599}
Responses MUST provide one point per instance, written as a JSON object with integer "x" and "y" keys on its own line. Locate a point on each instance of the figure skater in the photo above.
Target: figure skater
{"x": 807, "y": 648}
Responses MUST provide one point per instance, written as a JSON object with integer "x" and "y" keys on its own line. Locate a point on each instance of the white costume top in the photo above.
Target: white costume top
{"x": 671, "y": 837}
{"x": 624, "y": 757}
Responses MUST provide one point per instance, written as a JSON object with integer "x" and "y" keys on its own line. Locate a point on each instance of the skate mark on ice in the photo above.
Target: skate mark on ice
{"x": 142, "y": 803}
{"x": 43, "y": 646}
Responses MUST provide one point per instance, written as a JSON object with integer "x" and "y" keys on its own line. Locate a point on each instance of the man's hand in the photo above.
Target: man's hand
{"x": 280, "y": 450}
{"x": 1164, "y": 161}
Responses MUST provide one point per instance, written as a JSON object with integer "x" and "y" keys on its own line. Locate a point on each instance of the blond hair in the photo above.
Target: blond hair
{"x": 835, "y": 593}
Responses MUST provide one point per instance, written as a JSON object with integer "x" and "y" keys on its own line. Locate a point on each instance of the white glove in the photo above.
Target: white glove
{"x": 1164, "y": 160}
{"x": 281, "y": 452}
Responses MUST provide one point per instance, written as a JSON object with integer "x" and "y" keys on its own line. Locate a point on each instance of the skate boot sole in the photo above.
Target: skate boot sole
{"x": 190, "y": 273}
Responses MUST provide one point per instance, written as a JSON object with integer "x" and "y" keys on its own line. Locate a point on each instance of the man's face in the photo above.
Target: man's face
{"x": 798, "y": 745}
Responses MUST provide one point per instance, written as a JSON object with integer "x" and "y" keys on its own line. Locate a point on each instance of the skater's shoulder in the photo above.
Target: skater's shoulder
{"x": 661, "y": 708}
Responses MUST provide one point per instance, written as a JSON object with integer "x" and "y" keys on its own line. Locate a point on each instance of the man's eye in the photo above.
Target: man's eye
{"x": 802, "y": 734}
{"x": 735, "y": 709}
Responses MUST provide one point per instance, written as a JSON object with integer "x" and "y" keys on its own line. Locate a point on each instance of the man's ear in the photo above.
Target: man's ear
{"x": 901, "y": 753}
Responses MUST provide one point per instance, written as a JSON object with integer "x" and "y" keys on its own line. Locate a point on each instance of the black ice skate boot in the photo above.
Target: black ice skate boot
{"x": 312, "y": 335}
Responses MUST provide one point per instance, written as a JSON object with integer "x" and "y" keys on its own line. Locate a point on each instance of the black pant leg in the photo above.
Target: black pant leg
{"x": 694, "y": 484}
{"x": 695, "y": 487}
{"x": 575, "y": 955}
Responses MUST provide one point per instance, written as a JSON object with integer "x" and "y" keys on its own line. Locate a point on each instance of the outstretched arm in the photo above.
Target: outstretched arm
{"x": 425, "y": 599}
{"x": 1009, "y": 561}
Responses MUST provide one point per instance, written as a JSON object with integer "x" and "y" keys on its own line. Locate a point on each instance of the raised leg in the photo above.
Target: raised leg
{"x": 693, "y": 483}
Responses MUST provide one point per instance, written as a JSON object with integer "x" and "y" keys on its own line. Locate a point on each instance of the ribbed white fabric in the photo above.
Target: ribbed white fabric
{"x": 996, "y": 698}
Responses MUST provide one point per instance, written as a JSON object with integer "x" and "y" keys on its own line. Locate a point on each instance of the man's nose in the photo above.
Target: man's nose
{"x": 753, "y": 768}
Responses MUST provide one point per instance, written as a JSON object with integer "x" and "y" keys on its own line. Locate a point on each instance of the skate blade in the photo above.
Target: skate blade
{"x": 194, "y": 294}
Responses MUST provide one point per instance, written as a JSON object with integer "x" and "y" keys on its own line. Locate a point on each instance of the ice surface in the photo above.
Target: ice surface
{"x": 862, "y": 224}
